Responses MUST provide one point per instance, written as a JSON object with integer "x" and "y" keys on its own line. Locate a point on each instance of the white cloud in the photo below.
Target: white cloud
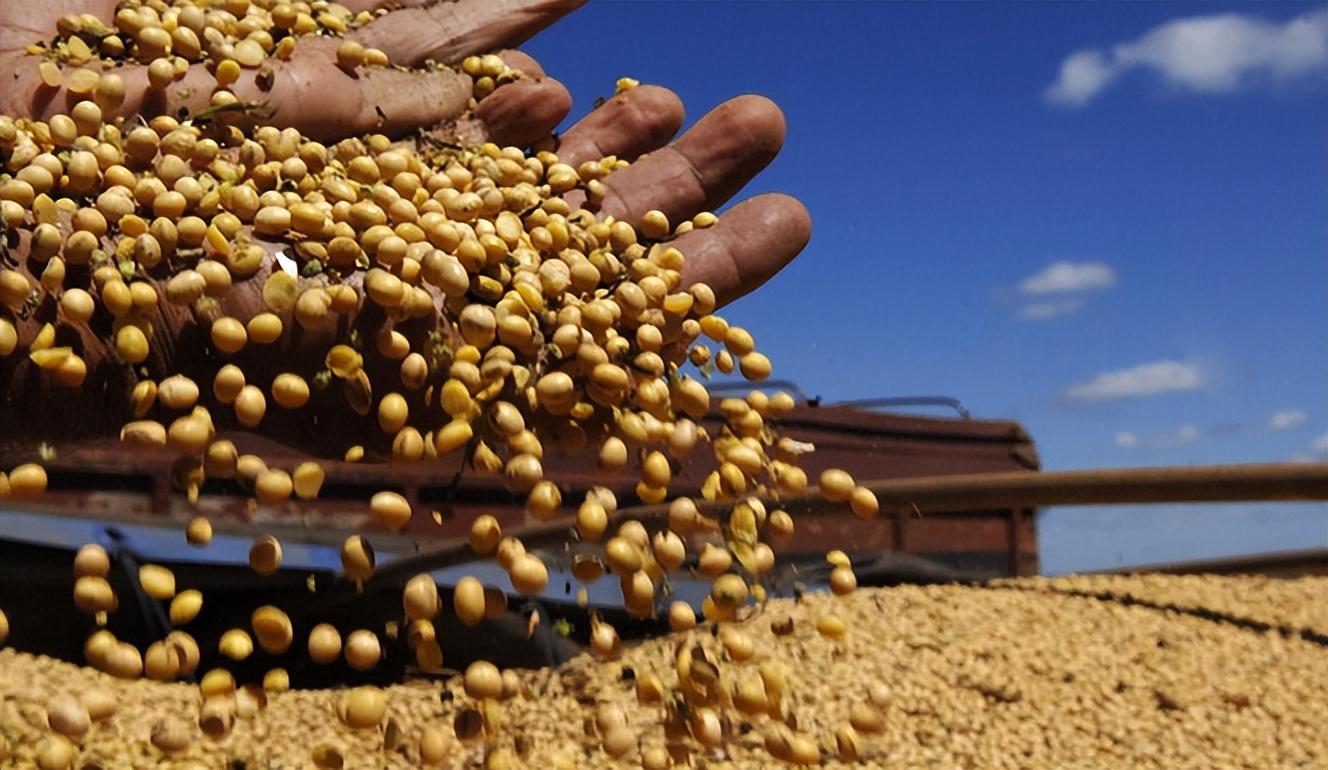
{"x": 1208, "y": 54}
{"x": 1069, "y": 276}
{"x": 1321, "y": 444}
{"x": 1083, "y": 74}
{"x": 1286, "y": 419}
{"x": 1041, "y": 311}
{"x": 1181, "y": 435}
{"x": 1143, "y": 380}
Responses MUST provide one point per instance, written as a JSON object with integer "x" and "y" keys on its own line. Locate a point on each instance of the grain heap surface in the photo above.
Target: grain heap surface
{"x": 1012, "y": 676}
{"x": 1295, "y": 605}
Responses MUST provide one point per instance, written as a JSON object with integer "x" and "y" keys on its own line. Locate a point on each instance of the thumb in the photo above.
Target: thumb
{"x": 449, "y": 32}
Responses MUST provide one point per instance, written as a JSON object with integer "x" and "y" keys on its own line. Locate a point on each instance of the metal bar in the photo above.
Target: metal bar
{"x": 972, "y": 492}
{"x": 1307, "y": 561}
{"x": 1194, "y": 484}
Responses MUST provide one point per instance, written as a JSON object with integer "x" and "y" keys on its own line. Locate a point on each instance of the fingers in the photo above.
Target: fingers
{"x": 449, "y": 31}
{"x": 698, "y": 172}
{"x": 387, "y": 101}
{"x": 312, "y": 94}
{"x": 704, "y": 168}
{"x": 749, "y": 244}
{"x": 629, "y": 125}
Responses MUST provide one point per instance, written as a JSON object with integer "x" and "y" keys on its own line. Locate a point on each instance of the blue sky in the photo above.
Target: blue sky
{"x": 1106, "y": 221}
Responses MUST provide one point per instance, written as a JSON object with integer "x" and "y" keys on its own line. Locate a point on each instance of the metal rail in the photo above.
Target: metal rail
{"x": 971, "y": 492}
{"x": 1294, "y": 563}
{"x": 1192, "y": 484}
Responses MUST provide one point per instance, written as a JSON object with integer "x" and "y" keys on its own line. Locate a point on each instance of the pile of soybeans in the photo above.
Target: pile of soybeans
{"x": 404, "y": 301}
{"x": 946, "y": 677}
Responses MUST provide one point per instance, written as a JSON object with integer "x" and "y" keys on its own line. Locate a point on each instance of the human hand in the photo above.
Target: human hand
{"x": 363, "y": 100}
{"x": 700, "y": 171}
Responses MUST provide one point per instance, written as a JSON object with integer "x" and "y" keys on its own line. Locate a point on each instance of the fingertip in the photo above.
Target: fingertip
{"x": 760, "y": 117}
{"x": 524, "y": 112}
{"x": 664, "y": 105}
{"x": 766, "y": 233}
{"x": 634, "y": 122}
{"x": 752, "y": 242}
{"x": 522, "y": 62}
{"x": 789, "y": 215}
{"x": 664, "y": 108}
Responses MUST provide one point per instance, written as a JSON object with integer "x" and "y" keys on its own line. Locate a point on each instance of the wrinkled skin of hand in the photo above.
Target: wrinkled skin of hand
{"x": 388, "y": 101}
{"x": 699, "y": 171}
